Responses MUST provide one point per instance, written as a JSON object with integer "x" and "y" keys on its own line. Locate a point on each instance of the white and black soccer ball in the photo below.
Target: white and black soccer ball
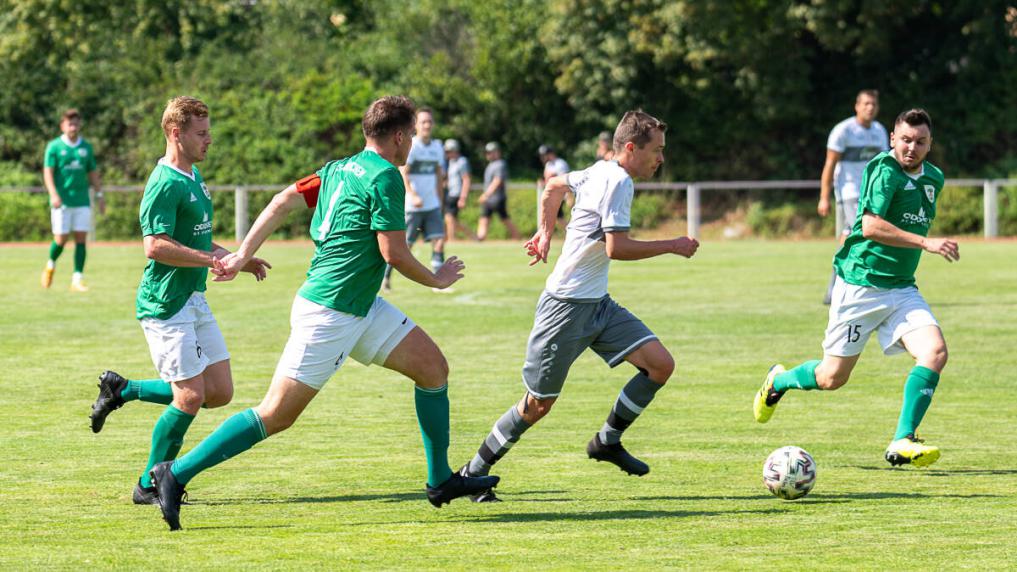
{"x": 789, "y": 472}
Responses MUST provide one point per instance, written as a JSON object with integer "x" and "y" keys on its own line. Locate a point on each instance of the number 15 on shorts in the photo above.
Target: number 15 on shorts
{"x": 854, "y": 333}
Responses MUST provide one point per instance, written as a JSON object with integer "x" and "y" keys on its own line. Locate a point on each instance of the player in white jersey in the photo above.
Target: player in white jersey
{"x": 575, "y": 311}
{"x": 852, "y": 143}
{"x": 423, "y": 176}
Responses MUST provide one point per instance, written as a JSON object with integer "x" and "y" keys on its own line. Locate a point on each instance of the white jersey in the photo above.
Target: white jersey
{"x": 424, "y": 162}
{"x": 555, "y": 167}
{"x": 857, "y": 145}
{"x": 603, "y": 204}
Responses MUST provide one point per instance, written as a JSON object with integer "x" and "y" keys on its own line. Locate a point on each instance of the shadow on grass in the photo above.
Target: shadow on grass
{"x": 383, "y": 497}
{"x": 238, "y": 527}
{"x": 940, "y": 472}
{"x": 612, "y": 515}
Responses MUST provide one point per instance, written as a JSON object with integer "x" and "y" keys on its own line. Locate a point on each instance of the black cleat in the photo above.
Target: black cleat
{"x": 145, "y": 495}
{"x": 617, "y": 455}
{"x": 458, "y": 486}
{"x": 171, "y": 493}
{"x": 483, "y": 496}
{"x": 111, "y": 384}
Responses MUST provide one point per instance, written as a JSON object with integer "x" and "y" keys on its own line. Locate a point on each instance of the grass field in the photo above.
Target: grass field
{"x": 343, "y": 488}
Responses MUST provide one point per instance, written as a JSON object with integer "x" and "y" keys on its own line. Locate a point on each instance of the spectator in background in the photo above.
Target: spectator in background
{"x": 553, "y": 166}
{"x": 69, "y": 168}
{"x": 457, "y": 183}
{"x": 605, "y": 146}
{"x": 495, "y": 199}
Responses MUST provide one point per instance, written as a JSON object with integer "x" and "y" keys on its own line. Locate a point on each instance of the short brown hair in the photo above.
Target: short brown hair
{"x": 387, "y": 115}
{"x": 424, "y": 109}
{"x": 873, "y": 93}
{"x": 180, "y": 110}
{"x": 636, "y": 126}
{"x": 914, "y": 117}
{"x": 71, "y": 113}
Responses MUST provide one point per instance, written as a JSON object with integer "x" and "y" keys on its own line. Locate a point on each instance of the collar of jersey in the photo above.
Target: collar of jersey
{"x": 165, "y": 163}
{"x": 68, "y": 141}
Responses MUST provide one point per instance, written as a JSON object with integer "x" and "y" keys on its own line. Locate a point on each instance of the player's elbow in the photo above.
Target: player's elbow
{"x": 868, "y": 226}
{"x": 151, "y": 247}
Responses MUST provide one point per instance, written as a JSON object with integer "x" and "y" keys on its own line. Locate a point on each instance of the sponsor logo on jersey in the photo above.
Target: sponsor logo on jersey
{"x": 63, "y": 152}
{"x": 930, "y": 193}
{"x": 74, "y": 164}
{"x": 204, "y": 226}
{"x": 354, "y": 168}
{"x": 204, "y": 189}
{"x": 919, "y": 218}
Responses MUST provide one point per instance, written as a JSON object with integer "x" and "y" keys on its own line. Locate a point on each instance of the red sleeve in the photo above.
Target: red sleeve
{"x": 308, "y": 187}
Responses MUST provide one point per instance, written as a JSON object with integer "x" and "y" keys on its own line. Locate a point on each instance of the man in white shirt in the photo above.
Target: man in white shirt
{"x": 575, "y": 311}
{"x": 553, "y": 166}
{"x": 852, "y": 143}
{"x": 424, "y": 175}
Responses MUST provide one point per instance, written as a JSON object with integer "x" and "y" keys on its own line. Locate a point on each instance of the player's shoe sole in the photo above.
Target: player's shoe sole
{"x": 911, "y": 451}
{"x": 78, "y": 287}
{"x": 47, "y": 277}
{"x": 616, "y": 455}
{"x": 483, "y": 496}
{"x": 459, "y": 486}
{"x": 760, "y": 409}
{"x": 111, "y": 385}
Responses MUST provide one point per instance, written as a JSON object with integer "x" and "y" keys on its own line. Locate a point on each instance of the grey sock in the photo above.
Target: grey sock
{"x": 504, "y": 434}
{"x": 634, "y": 397}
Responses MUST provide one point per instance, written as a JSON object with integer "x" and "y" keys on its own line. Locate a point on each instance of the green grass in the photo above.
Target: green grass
{"x": 343, "y": 488}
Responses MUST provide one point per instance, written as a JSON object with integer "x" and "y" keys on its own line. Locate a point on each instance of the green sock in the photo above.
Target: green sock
{"x": 55, "y": 250}
{"x": 432, "y": 413}
{"x": 79, "y": 256}
{"x": 237, "y": 434}
{"x": 150, "y": 390}
{"x": 801, "y": 377}
{"x": 918, "y": 390}
{"x": 167, "y": 438}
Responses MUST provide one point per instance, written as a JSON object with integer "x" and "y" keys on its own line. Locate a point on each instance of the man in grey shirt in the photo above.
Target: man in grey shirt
{"x": 457, "y": 182}
{"x": 495, "y": 199}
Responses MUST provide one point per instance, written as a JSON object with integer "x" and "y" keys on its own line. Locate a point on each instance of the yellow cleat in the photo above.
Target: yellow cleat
{"x": 47, "y": 277}
{"x": 762, "y": 410}
{"x": 911, "y": 451}
{"x": 79, "y": 286}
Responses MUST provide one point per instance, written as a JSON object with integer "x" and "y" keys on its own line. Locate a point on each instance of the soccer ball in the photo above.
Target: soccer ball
{"x": 789, "y": 473}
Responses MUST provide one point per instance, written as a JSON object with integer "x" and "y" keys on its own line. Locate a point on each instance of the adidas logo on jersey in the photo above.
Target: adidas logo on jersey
{"x": 194, "y": 199}
{"x": 909, "y": 187}
{"x": 204, "y": 226}
{"x": 919, "y": 218}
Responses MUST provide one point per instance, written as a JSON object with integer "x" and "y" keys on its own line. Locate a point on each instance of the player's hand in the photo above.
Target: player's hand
{"x": 945, "y": 247}
{"x": 227, "y": 267}
{"x": 538, "y": 247}
{"x": 416, "y": 201}
{"x": 685, "y": 246}
{"x": 56, "y": 202}
{"x": 257, "y": 266}
{"x": 101, "y": 203}
{"x": 449, "y": 273}
{"x": 824, "y": 207}
{"x": 462, "y": 202}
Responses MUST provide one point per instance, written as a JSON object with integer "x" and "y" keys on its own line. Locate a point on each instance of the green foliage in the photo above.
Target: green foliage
{"x": 24, "y": 216}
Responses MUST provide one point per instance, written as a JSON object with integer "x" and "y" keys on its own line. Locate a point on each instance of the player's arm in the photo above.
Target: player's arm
{"x": 547, "y": 215}
{"x": 620, "y": 246}
{"x": 826, "y": 181}
{"x": 164, "y": 249}
{"x": 302, "y": 193}
{"x": 50, "y": 184}
{"x": 96, "y": 181}
{"x": 415, "y": 199}
{"x": 392, "y": 244}
{"x": 491, "y": 188}
{"x": 464, "y": 190}
{"x": 876, "y": 228}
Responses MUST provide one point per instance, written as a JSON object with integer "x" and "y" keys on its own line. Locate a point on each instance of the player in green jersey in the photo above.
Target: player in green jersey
{"x": 69, "y": 169}
{"x": 875, "y": 290}
{"x": 358, "y": 226}
{"x": 187, "y": 347}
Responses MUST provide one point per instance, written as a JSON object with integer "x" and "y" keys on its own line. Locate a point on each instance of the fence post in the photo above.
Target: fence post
{"x": 839, "y": 222}
{"x": 990, "y": 205}
{"x": 95, "y": 213}
{"x": 240, "y": 214}
{"x": 693, "y": 214}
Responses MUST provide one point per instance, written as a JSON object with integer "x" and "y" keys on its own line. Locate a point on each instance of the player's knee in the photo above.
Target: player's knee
{"x": 274, "y": 420}
{"x": 936, "y": 358}
{"x": 535, "y": 408}
{"x": 434, "y": 374}
{"x": 219, "y": 397}
{"x": 189, "y": 400}
{"x": 661, "y": 369}
{"x": 829, "y": 381}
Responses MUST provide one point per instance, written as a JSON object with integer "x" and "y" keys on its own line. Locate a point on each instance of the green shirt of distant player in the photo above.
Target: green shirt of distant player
{"x": 359, "y": 196}
{"x": 907, "y": 202}
{"x": 71, "y": 166}
{"x": 180, "y": 207}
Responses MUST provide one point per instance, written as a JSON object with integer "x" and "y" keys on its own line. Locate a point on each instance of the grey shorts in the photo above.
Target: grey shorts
{"x": 563, "y": 329}
{"x": 430, "y": 223}
{"x": 848, "y": 208}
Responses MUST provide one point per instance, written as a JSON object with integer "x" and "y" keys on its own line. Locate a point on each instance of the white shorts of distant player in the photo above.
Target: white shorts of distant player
{"x": 322, "y": 338}
{"x": 849, "y": 213}
{"x": 184, "y": 345}
{"x": 857, "y": 311}
{"x": 66, "y": 220}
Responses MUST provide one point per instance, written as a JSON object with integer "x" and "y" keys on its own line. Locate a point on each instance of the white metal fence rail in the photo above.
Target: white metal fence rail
{"x": 990, "y": 197}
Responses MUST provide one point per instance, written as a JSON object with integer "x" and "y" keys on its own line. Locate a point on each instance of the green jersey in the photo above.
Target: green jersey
{"x": 71, "y": 165}
{"x": 358, "y": 197}
{"x": 178, "y": 205}
{"x": 905, "y": 201}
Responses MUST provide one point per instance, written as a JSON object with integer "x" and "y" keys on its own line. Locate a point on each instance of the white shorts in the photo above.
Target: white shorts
{"x": 856, "y": 311}
{"x": 66, "y": 220}
{"x": 186, "y": 343}
{"x": 322, "y": 338}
